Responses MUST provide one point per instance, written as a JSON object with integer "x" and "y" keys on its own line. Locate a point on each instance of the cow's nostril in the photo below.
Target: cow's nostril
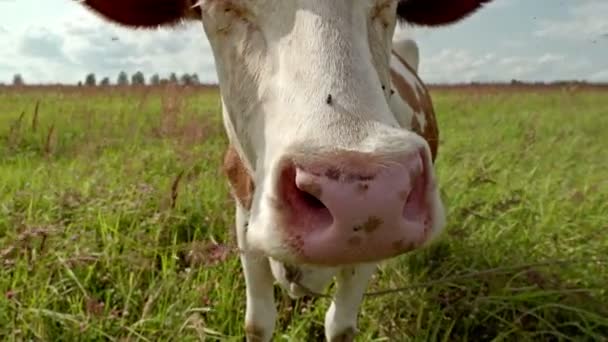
{"x": 311, "y": 200}
{"x": 301, "y": 198}
{"x": 310, "y": 193}
{"x": 304, "y": 207}
{"x": 415, "y": 198}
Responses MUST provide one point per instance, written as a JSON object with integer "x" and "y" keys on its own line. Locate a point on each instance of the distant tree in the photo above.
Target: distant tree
{"x": 155, "y": 79}
{"x": 79, "y": 83}
{"x": 195, "y": 80}
{"x": 173, "y": 78}
{"x": 105, "y": 81}
{"x": 90, "y": 80}
{"x": 186, "y": 79}
{"x": 138, "y": 78}
{"x": 123, "y": 79}
{"x": 18, "y": 80}
{"x": 164, "y": 81}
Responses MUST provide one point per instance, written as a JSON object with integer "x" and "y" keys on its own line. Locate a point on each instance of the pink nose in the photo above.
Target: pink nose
{"x": 350, "y": 209}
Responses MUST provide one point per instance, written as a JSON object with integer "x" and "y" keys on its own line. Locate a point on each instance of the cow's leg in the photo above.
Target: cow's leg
{"x": 260, "y": 312}
{"x": 341, "y": 318}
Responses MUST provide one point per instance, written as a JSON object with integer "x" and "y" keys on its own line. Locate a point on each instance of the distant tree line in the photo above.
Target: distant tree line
{"x": 123, "y": 78}
{"x": 138, "y": 78}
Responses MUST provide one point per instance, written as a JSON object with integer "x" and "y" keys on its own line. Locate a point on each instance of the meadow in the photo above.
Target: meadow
{"x": 116, "y": 222}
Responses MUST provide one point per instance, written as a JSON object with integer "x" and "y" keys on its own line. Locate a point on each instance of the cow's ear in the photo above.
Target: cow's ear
{"x": 436, "y": 12}
{"x": 145, "y": 13}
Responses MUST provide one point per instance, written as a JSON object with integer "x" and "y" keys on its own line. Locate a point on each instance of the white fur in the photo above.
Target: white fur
{"x": 277, "y": 61}
{"x": 408, "y": 50}
{"x": 344, "y": 309}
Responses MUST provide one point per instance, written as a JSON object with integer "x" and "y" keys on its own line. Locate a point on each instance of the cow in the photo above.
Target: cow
{"x": 332, "y": 139}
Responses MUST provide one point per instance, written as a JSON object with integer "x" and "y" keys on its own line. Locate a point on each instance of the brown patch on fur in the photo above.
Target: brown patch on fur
{"x": 145, "y": 13}
{"x": 419, "y": 104}
{"x": 379, "y": 10}
{"x": 230, "y": 7}
{"x": 254, "y": 334}
{"x": 405, "y": 90}
{"x": 404, "y": 195}
{"x": 431, "y": 130}
{"x": 333, "y": 174}
{"x": 362, "y": 187}
{"x": 238, "y": 177}
{"x": 372, "y": 223}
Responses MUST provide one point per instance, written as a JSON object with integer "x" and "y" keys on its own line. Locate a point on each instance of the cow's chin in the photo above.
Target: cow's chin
{"x": 300, "y": 280}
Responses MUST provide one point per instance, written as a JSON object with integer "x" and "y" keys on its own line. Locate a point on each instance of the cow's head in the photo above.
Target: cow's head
{"x": 318, "y": 160}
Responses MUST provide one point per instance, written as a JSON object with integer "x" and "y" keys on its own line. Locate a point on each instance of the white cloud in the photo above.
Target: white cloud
{"x": 42, "y": 43}
{"x": 108, "y": 48}
{"x": 550, "y": 58}
{"x": 600, "y": 76}
{"x": 458, "y": 65}
{"x": 451, "y": 65}
{"x": 68, "y": 49}
{"x": 588, "y": 20}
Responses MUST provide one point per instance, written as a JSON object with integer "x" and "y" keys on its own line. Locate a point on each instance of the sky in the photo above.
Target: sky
{"x": 58, "y": 41}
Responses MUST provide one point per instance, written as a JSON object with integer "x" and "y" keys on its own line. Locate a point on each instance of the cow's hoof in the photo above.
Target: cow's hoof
{"x": 348, "y": 335}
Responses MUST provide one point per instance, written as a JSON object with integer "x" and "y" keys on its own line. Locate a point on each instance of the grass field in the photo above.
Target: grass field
{"x": 116, "y": 223}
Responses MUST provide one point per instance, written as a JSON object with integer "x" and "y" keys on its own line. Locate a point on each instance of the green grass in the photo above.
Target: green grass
{"x": 111, "y": 202}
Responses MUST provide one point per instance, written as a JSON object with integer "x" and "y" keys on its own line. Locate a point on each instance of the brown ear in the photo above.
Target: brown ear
{"x": 144, "y": 13}
{"x": 437, "y": 12}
